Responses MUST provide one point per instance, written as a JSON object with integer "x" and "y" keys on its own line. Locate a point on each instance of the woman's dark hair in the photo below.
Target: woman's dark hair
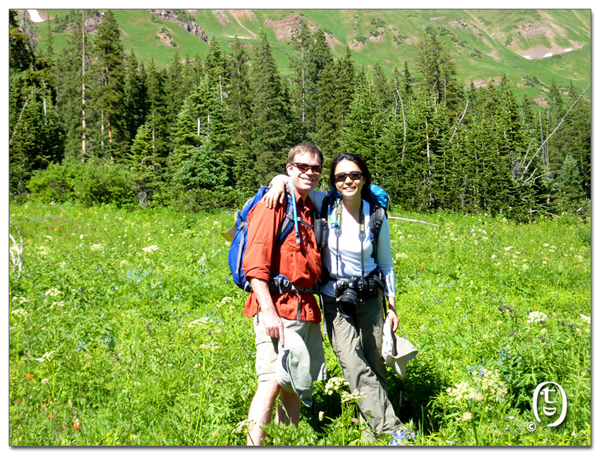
{"x": 360, "y": 163}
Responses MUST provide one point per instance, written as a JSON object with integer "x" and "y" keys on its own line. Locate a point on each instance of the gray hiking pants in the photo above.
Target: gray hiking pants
{"x": 356, "y": 340}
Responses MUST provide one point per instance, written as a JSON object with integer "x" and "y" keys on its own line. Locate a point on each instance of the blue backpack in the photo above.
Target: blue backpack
{"x": 240, "y": 239}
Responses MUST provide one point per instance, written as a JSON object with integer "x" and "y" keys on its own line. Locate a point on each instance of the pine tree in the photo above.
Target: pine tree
{"x": 578, "y": 131}
{"x": 73, "y": 92}
{"x": 21, "y": 54}
{"x": 555, "y": 152}
{"x": 360, "y": 135}
{"x": 304, "y": 89}
{"x": 203, "y": 114}
{"x": 346, "y": 84}
{"x": 240, "y": 95}
{"x": 569, "y": 184}
{"x": 35, "y": 136}
{"x": 110, "y": 130}
{"x": 271, "y": 116}
{"x": 157, "y": 117}
{"x": 382, "y": 90}
{"x": 134, "y": 96}
{"x": 438, "y": 73}
{"x": 145, "y": 166}
{"x": 322, "y": 60}
{"x": 200, "y": 181}
{"x": 175, "y": 87}
{"x": 216, "y": 67}
{"x": 406, "y": 81}
{"x": 329, "y": 121}
{"x": 194, "y": 72}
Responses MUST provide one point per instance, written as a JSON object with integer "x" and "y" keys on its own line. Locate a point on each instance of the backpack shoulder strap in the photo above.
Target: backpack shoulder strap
{"x": 377, "y": 216}
{"x": 288, "y": 222}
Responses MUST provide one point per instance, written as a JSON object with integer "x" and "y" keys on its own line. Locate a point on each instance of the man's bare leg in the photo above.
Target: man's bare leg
{"x": 288, "y": 409}
{"x": 261, "y": 410}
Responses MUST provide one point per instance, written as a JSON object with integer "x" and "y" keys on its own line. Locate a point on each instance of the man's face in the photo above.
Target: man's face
{"x": 304, "y": 180}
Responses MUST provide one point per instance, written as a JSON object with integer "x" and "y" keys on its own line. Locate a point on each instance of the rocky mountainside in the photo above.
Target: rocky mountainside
{"x": 531, "y": 46}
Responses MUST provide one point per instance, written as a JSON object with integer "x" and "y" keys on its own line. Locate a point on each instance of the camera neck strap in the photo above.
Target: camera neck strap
{"x": 362, "y": 235}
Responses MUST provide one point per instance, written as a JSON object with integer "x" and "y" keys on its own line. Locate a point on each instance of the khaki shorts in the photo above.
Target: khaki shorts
{"x": 267, "y": 348}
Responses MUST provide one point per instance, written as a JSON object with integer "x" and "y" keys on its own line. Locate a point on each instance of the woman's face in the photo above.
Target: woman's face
{"x": 348, "y": 179}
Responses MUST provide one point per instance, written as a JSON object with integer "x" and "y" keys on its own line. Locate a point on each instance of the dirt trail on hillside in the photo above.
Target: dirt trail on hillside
{"x": 241, "y": 13}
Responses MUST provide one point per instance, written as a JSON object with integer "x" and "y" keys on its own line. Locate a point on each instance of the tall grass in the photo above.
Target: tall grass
{"x": 125, "y": 330}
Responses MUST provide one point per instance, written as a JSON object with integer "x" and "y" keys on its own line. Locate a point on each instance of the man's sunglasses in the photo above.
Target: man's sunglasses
{"x": 355, "y": 176}
{"x": 302, "y": 167}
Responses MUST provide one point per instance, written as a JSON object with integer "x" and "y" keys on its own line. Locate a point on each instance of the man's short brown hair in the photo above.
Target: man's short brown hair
{"x": 305, "y": 147}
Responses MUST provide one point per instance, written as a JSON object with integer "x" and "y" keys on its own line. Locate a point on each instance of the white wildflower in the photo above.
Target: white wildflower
{"x": 401, "y": 255}
{"x": 45, "y": 356}
{"x": 335, "y": 385}
{"x": 53, "y": 292}
{"x": 212, "y": 346}
{"x": 536, "y": 316}
{"x": 465, "y": 417}
{"x": 201, "y": 321}
{"x": 508, "y": 248}
{"x": 243, "y": 426}
{"x": 150, "y": 249}
{"x": 19, "y": 312}
{"x": 43, "y": 251}
{"x": 225, "y": 300}
{"x": 585, "y": 318}
{"x": 44, "y": 381}
{"x": 96, "y": 247}
{"x": 354, "y": 396}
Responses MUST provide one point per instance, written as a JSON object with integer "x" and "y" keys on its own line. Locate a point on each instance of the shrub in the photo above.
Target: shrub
{"x": 97, "y": 181}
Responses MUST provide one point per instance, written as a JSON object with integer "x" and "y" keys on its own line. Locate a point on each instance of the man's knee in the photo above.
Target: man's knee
{"x": 268, "y": 388}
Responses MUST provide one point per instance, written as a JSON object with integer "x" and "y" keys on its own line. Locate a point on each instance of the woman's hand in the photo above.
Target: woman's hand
{"x": 276, "y": 194}
{"x": 393, "y": 320}
{"x": 392, "y": 316}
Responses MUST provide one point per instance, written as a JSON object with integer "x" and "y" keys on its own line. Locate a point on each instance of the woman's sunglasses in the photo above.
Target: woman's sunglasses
{"x": 355, "y": 176}
{"x": 302, "y": 167}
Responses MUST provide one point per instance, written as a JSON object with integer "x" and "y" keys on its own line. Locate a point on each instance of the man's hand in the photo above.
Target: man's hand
{"x": 272, "y": 324}
{"x": 268, "y": 313}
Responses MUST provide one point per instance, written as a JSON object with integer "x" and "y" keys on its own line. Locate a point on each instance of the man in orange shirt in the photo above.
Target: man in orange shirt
{"x": 295, "y": 309}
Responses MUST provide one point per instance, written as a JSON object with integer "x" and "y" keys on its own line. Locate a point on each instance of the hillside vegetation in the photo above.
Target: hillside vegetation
{"x": 532, "y": 47}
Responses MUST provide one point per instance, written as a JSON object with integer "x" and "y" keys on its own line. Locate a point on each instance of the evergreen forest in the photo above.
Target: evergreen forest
{"x": 96, "y": 125}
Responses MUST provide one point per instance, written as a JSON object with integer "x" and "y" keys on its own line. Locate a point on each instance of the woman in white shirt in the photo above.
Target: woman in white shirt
{"x": 353, "y": 298}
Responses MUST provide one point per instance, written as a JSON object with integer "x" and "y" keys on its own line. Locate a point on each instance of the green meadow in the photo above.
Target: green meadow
{"x": 125, "y": 330}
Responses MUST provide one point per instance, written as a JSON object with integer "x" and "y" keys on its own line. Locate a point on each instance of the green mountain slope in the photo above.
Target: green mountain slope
{"x": 531, "y": 46}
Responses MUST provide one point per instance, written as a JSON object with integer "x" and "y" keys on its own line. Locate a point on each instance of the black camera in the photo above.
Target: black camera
{"x": 341, "y": 285}
{"x": 345, "y": 291}
{"x": 348, "y": 296}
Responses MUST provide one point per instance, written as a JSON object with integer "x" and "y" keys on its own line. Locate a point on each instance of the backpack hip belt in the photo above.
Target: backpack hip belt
{"x": 281, "y": 285}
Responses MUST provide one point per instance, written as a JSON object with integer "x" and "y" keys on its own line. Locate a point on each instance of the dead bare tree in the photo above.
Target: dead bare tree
{"x": 16, "y": 251}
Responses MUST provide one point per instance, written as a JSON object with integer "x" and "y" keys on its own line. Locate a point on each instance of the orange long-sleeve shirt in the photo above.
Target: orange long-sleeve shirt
{"x": 299, "y": 262}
